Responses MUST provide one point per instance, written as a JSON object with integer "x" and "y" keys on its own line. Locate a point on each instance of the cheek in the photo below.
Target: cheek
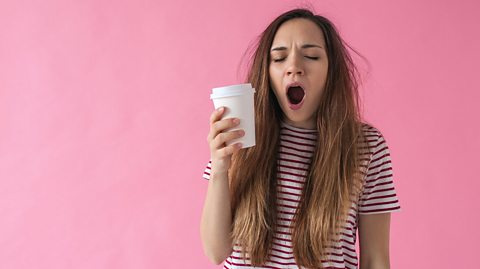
{"x": 322, "y": 76}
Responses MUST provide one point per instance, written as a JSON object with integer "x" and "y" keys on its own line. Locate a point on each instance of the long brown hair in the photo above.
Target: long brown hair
{"x": 333, "y": 181}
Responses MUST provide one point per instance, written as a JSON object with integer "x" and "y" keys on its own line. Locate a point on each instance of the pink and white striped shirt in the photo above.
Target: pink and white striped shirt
{"x": 294, "y": 157}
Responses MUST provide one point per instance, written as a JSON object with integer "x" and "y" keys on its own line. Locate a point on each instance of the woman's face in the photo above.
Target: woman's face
{"x": 298, "y": 55}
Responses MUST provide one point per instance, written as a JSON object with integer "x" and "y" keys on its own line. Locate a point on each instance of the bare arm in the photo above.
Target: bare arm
{"x": 374, "y": 236}
{"x": 216, "y": 219}
{"x": 216, "y": 222}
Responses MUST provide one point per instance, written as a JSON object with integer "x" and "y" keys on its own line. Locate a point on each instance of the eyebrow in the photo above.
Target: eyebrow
{"x": 305, "y": 46}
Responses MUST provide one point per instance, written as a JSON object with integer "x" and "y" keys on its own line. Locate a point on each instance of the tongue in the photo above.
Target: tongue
{"x": 295, "y": 95}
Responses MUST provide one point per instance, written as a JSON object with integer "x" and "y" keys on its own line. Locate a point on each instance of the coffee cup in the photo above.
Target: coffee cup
{"x": 239, "y": 103}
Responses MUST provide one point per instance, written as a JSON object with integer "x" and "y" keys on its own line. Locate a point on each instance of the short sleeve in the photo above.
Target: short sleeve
{"x": 206, "y": 172}
{"x": 378, "y": 194}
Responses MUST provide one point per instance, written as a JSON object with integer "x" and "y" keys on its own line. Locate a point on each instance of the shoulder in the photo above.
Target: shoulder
{"x": 373, "y": 137}
{"x": 373, "y": 147}
{"x": 370, "y": 130}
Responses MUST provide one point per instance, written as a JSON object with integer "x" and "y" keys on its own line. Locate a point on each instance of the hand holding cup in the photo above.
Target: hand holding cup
{"x": 218, "y": 138}
{"x": 232, "y": 124}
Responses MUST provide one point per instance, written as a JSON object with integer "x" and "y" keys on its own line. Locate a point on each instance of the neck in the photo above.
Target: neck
{"x": 307, "y": 125}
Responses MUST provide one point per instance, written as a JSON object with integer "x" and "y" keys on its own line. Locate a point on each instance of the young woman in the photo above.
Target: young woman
{"x": 317, "y": 172}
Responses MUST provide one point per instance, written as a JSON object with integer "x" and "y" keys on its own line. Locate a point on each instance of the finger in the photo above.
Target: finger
{"x": 226, "y": 151}
{"x": 216, "y": 115}
{"x": 225, "y": 137}
{"x": 223, "y": 125}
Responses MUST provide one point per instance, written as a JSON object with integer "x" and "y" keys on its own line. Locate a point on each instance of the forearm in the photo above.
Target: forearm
{"x": 216, "y": 219}
{"x": 374, "y": 236}
{"x": 374, "y": 263}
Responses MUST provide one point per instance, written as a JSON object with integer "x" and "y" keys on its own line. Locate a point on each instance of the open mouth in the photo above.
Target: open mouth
{"x": 295, "y": 94}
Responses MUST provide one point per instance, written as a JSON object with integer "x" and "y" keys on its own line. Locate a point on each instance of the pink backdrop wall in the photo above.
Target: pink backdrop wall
{"x": 104, "y": 109}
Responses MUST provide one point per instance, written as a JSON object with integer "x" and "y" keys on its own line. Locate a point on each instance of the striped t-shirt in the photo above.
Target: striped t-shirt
{"x": 294, "y": 157}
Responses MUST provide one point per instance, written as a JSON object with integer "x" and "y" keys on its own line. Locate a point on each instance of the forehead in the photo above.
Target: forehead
{"x": 298, "y": 31}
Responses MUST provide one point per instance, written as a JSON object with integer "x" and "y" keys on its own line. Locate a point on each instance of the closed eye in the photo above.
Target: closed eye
{"x": 308, "y": 57}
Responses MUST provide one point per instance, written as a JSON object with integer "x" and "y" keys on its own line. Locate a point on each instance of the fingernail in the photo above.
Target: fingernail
{"x": 236, "y": 121}
{"x": 220, "y": 109}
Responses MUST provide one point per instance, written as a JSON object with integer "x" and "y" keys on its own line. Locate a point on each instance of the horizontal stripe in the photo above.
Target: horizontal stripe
{"x": 379, "y": 150}
{"x": 289, "y": 200}
{"x": 290, "y": 187}
{"x": 293, "y": 154}
{"x": 292, "y": 174}
{"x": 306, "y": 144}
{"x": 293, "y": 161}
{"x": 289, "y": 129}
{"x": 287, "y": 206}
{"x": 378, "y": 197}
{"x": 378, "y": 184}
{"x": 380, "y": 210}
{"x": 283, "y": 191}
{"x": 377, "y": 191}
{"x": 372, "y": 167}
{"x": 283, "y": 146}
{"x": 281, "y": 165}
{"x": 378, "y": 179}
{"x": 369, "y": 175}
{"x": 280, "y": 179}
{"x": 382, "y": 203}
{"x": 300, "y": 137}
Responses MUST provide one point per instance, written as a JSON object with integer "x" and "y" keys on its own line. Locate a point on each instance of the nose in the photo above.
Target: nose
{"x": 294, "y": 67}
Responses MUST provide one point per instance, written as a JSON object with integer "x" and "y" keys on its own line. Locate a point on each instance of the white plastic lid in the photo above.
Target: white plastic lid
{"x": 232, "y": 90}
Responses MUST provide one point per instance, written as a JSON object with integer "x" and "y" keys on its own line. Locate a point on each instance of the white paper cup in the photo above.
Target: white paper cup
{"x": 238, "y": 101}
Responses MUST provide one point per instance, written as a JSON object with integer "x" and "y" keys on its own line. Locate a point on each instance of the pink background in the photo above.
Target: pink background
{"x": 104, "y": 109}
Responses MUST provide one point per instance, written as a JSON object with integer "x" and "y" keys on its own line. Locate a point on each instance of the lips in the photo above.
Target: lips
{"x": 295, "y": 95}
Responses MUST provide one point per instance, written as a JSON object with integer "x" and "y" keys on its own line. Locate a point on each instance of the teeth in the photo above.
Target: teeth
{"x": 295, "y": 94}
